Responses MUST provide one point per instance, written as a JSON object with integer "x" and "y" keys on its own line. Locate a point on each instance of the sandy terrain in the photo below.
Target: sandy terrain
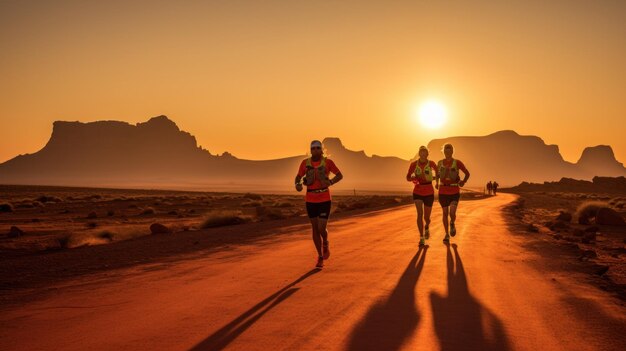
{"x": 599, "y": 248}
{"x": 55, "y": 218}
{"x": 495, "y": 289}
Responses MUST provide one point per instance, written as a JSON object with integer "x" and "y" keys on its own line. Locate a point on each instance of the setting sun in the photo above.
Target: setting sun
{"x": 432, "y": 114}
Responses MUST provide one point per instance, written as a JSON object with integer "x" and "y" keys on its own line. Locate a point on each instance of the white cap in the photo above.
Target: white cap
{"x": 316, "y": 143}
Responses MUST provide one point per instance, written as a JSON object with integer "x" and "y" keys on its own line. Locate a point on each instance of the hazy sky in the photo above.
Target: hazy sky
{"x": 262, "y": 78}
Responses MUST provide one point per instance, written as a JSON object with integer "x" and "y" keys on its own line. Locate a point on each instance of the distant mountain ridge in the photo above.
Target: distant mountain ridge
{"x": 157, "y": 153}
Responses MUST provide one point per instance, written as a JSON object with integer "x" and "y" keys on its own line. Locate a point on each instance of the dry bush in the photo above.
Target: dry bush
{"x": 252, "y": 203}
{"x": 251, "y": 196}
{"x": 148, "y": 211}
{"x": 270, "y": 213}
{"x": 223, "y": 218}
{"x": 588, "y": 210}
{"x": 45, "y": 199}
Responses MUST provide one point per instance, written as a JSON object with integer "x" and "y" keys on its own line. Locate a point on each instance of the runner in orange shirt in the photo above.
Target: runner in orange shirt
{"x": 314, "y": 172}
{"x": 421, "y": 173}
{"x": 449, "y": 191}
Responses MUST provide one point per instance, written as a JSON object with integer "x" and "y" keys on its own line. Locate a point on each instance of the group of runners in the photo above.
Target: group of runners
{"x": 492, "y": 187}
{"x": 314, "y": 173}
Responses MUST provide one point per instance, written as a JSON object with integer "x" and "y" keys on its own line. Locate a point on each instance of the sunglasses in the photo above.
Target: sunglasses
{"x": 316, "y": 148}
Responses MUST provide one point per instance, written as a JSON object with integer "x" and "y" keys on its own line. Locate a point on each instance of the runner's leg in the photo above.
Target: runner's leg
{"x": 445, "y": 218}
{"x": 317, "y": 240}
{"x": 419, "y": 205}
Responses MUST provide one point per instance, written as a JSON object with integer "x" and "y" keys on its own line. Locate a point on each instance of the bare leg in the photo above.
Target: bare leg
{"x": 321, "y": 227}
{"x": 317, "y": 240}
{"x": 453, "y": 206}
{"x": 445, "y": 219}
{"x": 427, "y": 211}
{"x": 420, "y": 214}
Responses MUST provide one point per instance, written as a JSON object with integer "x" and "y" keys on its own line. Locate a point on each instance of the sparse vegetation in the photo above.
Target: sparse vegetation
{"x": 45, "y": 199}
{"x": 6, "y": 207}
{"x": 251, "y": 196}
{"x": 224, "y": 218}
{"x": 148, "y": 211}
{"x": 588, "y": 210}
{"x": 107, "y": 235}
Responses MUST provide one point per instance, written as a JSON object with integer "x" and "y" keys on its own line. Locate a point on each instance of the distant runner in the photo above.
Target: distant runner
{"x": 449, "y": 191}
{"x": 421, "y": 174}
{"x": 495, "y": 187}
{"x": 314, "y": 172}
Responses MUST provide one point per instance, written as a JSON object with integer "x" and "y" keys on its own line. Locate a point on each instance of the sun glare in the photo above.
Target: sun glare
{"x": 432, "y": 114}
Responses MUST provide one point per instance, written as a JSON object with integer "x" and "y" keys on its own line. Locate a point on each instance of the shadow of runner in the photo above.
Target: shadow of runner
{"x": 221, "y": 338}
{"x": 461, "y": 323}
{"x": 389, "y": 323}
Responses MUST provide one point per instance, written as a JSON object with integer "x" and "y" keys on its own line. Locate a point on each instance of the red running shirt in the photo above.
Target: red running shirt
{"x": 444, "y": 187}
{"x": 317, "y": 184}
{"x": 424, "y": 189}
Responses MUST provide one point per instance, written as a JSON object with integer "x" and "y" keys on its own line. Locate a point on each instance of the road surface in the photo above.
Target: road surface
{"x": 377, "y": 292}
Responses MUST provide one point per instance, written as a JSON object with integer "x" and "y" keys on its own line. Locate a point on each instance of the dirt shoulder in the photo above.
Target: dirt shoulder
{"x": 553, "y": 218}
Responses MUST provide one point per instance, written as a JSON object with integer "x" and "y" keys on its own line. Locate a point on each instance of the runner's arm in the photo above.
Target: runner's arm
{"x": 336, "y": 178}
{"x": 466, "y": 175}
{"x": 409, "y": 174}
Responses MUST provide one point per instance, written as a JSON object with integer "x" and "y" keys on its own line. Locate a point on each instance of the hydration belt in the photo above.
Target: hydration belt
{"x": 317, "y": 190}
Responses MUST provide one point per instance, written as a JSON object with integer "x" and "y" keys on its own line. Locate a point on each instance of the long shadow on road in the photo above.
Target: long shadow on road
{"x": 389, "y": 323}
{"x": 225, "y": 335}
{"x": 460, "y": 321}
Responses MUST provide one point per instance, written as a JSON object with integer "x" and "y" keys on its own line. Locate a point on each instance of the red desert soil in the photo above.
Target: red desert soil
{"x": 494, "y": 289}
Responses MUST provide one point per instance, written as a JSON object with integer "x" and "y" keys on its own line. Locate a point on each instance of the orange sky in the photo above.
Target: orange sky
{"x": 262, "y": 78}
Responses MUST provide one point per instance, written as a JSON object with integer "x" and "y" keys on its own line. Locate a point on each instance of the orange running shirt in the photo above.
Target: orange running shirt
{"x": 317, "y": 184}
{"x": 424, "y": 189}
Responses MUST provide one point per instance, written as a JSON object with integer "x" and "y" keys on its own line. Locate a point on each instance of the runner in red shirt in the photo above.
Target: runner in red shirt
{"x": 314, "y": 171}
{"x": 421, "y": 173}
{"x": 449, "y": 190}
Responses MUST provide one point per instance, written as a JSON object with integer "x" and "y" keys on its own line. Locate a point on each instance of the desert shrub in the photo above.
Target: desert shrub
{"x": 252, "y": 203}
{"x": 148, "y": 211}
{"x": 588, "y": 210}
{"x": 45, "y": 199}
{"x": 107, "y": 235}
{"x": 283, "y": 204}
{"x": 251, "y": 196}
{"x": 223, "y": 218}
{"x": 6, "y": 207}
{"x": 270, "y": 213}
{"x": 64, "y": 241}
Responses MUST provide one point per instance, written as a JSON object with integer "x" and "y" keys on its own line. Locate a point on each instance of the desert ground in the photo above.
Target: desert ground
{"x": 570, "y": 219}
{"x": 251, "y": 287}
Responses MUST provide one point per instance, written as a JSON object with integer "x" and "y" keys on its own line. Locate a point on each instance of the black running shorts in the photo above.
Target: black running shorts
{"x": 318, "y": 209}
{"x": 426, "y": 199}
{"x": 445, "y": 200}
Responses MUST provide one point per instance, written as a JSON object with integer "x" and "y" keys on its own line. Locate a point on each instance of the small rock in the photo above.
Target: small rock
{"x": 110, "y": 213}
{"x": 578, "y": 232}
{"x": 158, "y": 228}
{"x": 92, "y": 215}
{"x": 558, "y": 236}
{"x": 15, "y": 232}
